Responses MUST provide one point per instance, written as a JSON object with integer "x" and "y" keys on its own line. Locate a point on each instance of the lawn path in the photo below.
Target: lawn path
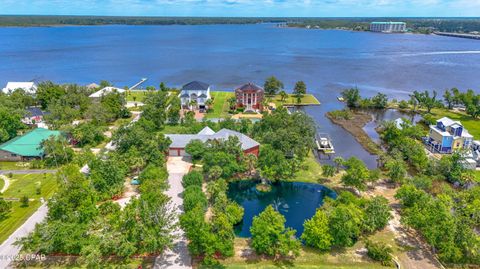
{"x": 178, "y": 257}
{"x": 7, "y": 183}
{"x": 31, "y": 171}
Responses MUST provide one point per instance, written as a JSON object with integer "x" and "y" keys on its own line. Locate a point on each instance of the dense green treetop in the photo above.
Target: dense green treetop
{"x": 270, "y": 237}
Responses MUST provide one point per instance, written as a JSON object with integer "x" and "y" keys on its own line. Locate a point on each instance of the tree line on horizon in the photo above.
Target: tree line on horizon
{"x": 424, "y": 25}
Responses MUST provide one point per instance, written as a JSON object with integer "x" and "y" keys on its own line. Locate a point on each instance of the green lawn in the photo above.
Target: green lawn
{"x": 14, "y": 165}
{"x": 308, "y": 258}
{"x": 25, "y": 185}
{"x": 311, "y": 171}
{"x": 296, "y": 265}
{"x": 471, "y": 124}
{"x": 477, "y": 175}
{"x": 307, "y": 99}
{"x": 2, "y": 183}
{"x": 137, "y": 96}
{"x": 220, "y": 105}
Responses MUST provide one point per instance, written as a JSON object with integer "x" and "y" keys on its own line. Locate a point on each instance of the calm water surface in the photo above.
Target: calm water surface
{"x": 296, "y": 201}
{"x": 229, "y": 55}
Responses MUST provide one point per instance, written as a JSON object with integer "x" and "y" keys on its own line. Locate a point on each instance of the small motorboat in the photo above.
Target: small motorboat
{"x": 324, "y": 144}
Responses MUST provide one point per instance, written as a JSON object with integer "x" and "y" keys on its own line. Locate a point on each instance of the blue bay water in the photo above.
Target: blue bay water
{"x": 229, "y": 55}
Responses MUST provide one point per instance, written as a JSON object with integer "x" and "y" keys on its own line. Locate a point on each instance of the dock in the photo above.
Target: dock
{"x": 138, "y": 84}
{"x": 469, "y": 36}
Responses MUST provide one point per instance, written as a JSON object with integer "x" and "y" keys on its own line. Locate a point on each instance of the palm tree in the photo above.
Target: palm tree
{"x": 208, "y": 103}
{"x": 266, "y": 101}
{"x": 232, "y": 101}
{"x": 193, "y": 104}
{"x": 338, "y": 162}
{"x": 283, "y": 96}
{"x": 251, "y": 162}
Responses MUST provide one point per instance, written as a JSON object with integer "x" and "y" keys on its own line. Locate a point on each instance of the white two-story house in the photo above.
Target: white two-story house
{"x": 195, "y": 95}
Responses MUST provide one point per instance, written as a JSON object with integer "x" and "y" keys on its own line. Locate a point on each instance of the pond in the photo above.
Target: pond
{"x": 294, "y": 200}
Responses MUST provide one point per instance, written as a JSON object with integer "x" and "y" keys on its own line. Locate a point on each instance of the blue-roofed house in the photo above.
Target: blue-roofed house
{"x": 448, "y": 135}
{"x": 34, "y": 115}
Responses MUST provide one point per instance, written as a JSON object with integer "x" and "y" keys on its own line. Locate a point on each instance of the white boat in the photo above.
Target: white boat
{"x": 324, "y": 144}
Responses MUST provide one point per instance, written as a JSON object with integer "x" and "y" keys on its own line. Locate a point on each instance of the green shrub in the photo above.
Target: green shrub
{"x": 193, "y": 178}
{"x": 403, "y": 104}
{"x": 192, "y": 197}
{"x": 379, "y": 252}
{"x": 429, "y": 119}
{"x": 344, "y": 114}
{"x": 24, "y": 201}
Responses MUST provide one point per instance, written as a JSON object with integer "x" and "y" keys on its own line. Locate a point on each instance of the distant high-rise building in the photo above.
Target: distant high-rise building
{"x": 388, "y": 27}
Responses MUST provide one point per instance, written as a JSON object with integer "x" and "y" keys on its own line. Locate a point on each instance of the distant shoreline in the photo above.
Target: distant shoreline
{"x": 415, "y": 25}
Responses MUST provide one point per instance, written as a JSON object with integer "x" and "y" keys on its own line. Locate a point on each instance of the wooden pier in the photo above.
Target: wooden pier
{"x": 138, "y": 84}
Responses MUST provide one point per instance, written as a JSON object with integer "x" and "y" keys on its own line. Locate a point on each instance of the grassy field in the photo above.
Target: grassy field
{"x": 307, "y": 99}
{"x": 311, "y": 171}
{"x": 137, "y": 96}
{"x": 25, "y": 185}
{"x": 14, "y": 165}
{"x": 174, "y": 129}
{"x": 308, "y": 259}
{"x": 471, "y": 124}
{"x": 2, "y": 183}
{"x": 477, "y": 175}
{"x": 220, "y": 105}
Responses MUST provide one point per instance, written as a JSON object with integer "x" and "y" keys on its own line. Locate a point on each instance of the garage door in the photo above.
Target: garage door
{"x": 173, "y": 152}
{"x": 183, "y": 153}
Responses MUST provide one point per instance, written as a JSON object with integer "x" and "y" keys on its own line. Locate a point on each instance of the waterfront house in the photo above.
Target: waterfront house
{"x": 26, "y": 147}
{"x": 180, "y": 141}
{"x": 195, "y": 95}
{"x": 28, "y": 87}
{"x": 93, "y": 86}
{"x": 250, "y": 97}
{"x": 104, "y": 91}
{"x": 388, "y": 27}
{"x": 447, "y": 136}
{"x": 33, "y": 116}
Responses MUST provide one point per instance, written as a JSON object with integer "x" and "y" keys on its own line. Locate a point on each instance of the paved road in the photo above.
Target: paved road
{"x": 7, "y": 248}
{"x": 178, "y": 257}
{"x": 27, "y": 171}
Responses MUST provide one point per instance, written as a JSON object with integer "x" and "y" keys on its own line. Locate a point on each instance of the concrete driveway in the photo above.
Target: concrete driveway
{"x": 8, "y": 250}
{"x": 178, "y": 257}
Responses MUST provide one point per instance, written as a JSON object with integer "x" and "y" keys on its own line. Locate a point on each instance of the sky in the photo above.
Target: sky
{"x": 246, "y": 8}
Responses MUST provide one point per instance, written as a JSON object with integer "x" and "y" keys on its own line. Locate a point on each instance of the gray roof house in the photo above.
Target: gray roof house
{"x": 195, "y": 91}
{"x": 180, "y": 141}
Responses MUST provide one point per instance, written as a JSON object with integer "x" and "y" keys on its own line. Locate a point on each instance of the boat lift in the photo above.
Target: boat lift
{"x": 324, "y": 144}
